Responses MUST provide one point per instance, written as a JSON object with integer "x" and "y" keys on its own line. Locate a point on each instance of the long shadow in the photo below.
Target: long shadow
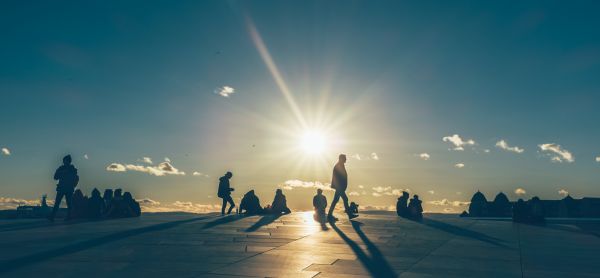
{"x": 265, "y": 220}
{"x": 458, "y": 231}
{"x": 375, "y": 263}
{"x": 223, "y": 220}
{"x": 10, "y": 265}
{"x": 41, "y": 224}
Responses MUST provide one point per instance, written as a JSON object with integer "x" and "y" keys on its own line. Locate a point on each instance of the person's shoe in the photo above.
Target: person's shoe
{"x": 352, "y": 216}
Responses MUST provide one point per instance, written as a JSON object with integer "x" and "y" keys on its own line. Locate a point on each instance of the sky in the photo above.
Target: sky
{"x": 440, "y": 98}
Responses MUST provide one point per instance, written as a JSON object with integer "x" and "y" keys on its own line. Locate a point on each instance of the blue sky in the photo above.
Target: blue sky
{"x": 122, "y": 81}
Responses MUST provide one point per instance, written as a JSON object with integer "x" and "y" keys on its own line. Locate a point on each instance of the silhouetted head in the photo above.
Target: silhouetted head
{"x": 319, "y": 191}
{"x": 78, "y": 194}
{"x": 229, "y": 175}
{"x": 278, "y": 191}
{"x": 416, "y": 197}
{"x": 67, "y": 160}
{"x": 95, "y": 193}
{"x": 342, "y": 158}
{"x": 404, "y": 194}
{"x": 108, "y": 194}
{"x": 127, "y": 196}
{"x": 118, "y": 193}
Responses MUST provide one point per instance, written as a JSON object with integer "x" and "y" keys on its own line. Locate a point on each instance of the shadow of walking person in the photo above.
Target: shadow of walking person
{"x": 265, "y": 220}
{"x": 374, "y": 261}
{"x": 463, "y": 232}
{"x": 223, "y": 220}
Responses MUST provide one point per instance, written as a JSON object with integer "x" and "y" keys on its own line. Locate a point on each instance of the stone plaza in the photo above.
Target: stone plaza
{"x": 376, "y": 244}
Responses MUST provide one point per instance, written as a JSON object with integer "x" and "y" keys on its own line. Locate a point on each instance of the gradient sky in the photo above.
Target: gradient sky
{"x": 117, "y": 82}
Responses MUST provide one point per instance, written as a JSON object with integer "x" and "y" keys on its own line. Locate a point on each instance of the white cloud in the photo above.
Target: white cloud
{"x": 597, "y": 158}
{"x": 86, "y": 156}
{"x": 361, "y": 186}
{"x": 563, "y": 192}
{"x": 167, "y": 159}
{"x": 459, "y": 165}
{"x": 12, "y": 203}
{"x": 353, "y": 193}
{"x": 356, "y": 156}
{"x": 363, "y": 192}
{"x": 224, "y": 91}
{"x": 520, "y": 191}
{"x": 424, "y": 156}
{"x": 372, "y": 207}
{"x": 559, "y": 154}
{"x": 116, "y": 167}
{"x": 380, "y": 189}
{"x": 375, "y": 194}
{"x": 486, "y": 151}
{"x": 374, "y": 156}
{"x": 458, "y": 142}
{"x": 199, "y": 174}
{"x": 503, "y": 145}
{"x": 291, "y": 184}
{"x": 5, "y": 151}
{"x": 149, "y": 205}
{"x": 146, "y": 160}
{"x": 431, "y": 192}
{"x": 388, "y": 190}
{"x": 446, "y": 202}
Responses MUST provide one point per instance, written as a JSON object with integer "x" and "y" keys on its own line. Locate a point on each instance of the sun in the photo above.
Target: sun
{"x": 313, "y": 142}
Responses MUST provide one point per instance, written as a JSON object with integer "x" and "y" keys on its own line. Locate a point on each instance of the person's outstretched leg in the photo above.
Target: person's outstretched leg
{"x": 346, "y": 206}
{"x": 69, "y": 200}
{"x": 57, "y": 201}
{"x": 336, "y": 198}
{"x": 223, "y": 206}
{"x": 231, "y": 204}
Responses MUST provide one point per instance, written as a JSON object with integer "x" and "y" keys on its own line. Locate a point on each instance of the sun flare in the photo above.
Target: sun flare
{"x": 313, "y": 142}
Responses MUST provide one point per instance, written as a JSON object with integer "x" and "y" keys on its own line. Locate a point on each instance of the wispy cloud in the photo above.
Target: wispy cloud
{"x": 167, "y": 159}
{"x": 459, "y": 165}
{"x": 162, "y": 169}
{"x": 503, "y": 145}
{"x": 5, "y": 151}
{"x": 446, "y": 202}
{"x": 12, "y": 203}
{"x": 353, "y": 193}
{"x": 520, "y": 191}
{"x": 116, "y": 167}
{"x": 486, "y": 151}
{"x": 291, "y": 184}
{"x": 146, "y": 160}
{"x": 431, "y": 192}
{"x": 374, "y": 156}
{"x": 361, "y": 186}
{"x": 424, "y": 156}
{"x": 375, "y": 194}
{"x": 458, "y": 142}
{"x": 388, "y": 190}
{"x": 597, "y": 158}
{"x": 149, "y": 205}
{"x": 85, "y": 156}
{"x": 200, "y": 174}
{"x": 563, "y": 192}
{"x": 356, "y": 156}
{"x": 224, "y": 91}
{"x": 557, "y": 153}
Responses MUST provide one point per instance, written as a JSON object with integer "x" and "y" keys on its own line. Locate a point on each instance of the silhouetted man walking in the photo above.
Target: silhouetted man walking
{"x": 67, "y": 178}
{"x": 339, "y": 182}
{"x": 225, "y": 192}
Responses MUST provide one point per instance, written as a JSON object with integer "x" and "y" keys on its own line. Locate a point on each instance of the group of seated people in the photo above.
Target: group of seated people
{"x": 112, "y": 205}
{"x": 414, "y": 209}
{"x": 531, "y": 211}
{"x": 250, "y": 204}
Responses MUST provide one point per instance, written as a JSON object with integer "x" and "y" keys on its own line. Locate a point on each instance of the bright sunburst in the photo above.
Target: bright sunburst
{"x": 313, "y": 142}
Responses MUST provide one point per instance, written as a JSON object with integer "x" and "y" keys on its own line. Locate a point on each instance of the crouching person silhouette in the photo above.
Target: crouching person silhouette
{"x": 225, "y": 192}
{"x": 320, "y": 204}
{"x": 67, "y": 178}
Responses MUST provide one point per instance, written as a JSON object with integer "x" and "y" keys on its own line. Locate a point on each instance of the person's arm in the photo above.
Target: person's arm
{"x": 56, "y": 174}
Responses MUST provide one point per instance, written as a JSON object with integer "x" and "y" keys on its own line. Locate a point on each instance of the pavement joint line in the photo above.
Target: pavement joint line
{"x": 520, "y": 250}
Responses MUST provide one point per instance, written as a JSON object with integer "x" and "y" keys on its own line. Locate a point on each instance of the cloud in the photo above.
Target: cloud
{"x": 115, "y": 167}
{"x": 149, "y": 205}
{"x": 388, "y": 190}
{"x": 291, "y": 184}
{"x": 146, "y": 160}
{"x": 597, "y": 158}
{"x": 503, "y": 145}
{"x": 431, "y": 192}
{"x": 200, "y": 174}
{"x": 356, "y": 156}
{"x": 5, "y": 151}
{"x": 224, "y": 91}
{"x": 86, "y": 156}
{"x": 372, "y": 207}
{"x": 424, "y": 156}
{"x": 13, "y": 203}
{"x": 486, "y": 151}
{"x": 446, "y": 202}
{"x": 558, "y": 153}
{"x": 375, "y": 194}
{"x": 162, "y": 169}
{"x": 458, "y": 142}
{"x": 361, "y": 186}
{"x": 459, "y": 165}
{"x": 167, "y": 159}
{"x": 374, "y": 156}
{"x": 380, "y": 189}
{"x": 563, "y": 192}
{"x": 353, "y": 193}
{"x": 520, "y": 191}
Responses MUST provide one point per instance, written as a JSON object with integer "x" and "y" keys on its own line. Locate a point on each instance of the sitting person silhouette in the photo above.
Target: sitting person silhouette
{"x": 80, "y": 205}
{"x": 250, "y": 204}
{"x": 320, "y": 203}
{"x": 520, "y": 211}
{"x": 415, "y": 209}
{"x": 131, "y": 208}
{"x": 95, "y": 205}
{"x": 116, "y": 205}
{"x": 402, "y": 205}
{"x": 353, "y": 208}
{"x": 67, "y": 178}
{"x": 536, "y": 210}
{"x": 279, "y": 204}
{"x": 107, "y": 198}
{"x": 224, "y": 192}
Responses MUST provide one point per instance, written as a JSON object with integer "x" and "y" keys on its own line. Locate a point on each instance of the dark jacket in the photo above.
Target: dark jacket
{"x": 320, "y": 202}
{"x": 339, "y": 179}
{"x": 67, "y": 178}
{"x": 224, "y": 187}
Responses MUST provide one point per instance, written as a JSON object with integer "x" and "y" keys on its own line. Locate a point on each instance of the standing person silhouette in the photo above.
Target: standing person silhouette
{"x": 225, "y": 192}
{"x": 339, "y": 182}
{"x": 67, "y": 178}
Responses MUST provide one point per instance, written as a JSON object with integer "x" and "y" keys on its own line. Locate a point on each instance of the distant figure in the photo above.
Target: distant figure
{"x": 339, "y": 182}
{"x": 536, "y": 210}
{"x": 415, "y": 209}
{"x": 250, "y": 204}
{"x": 107, "y": 198}
{"x": 95, "y": 205}
{"x": 131, "y": 206}
{"x": 80, "y": 205}
{"x": 402, "y": 205}
{"x": 320, "y": 202}
{"x": 279, "y": 204}
{"x": 225, "y": 192}
{"x": 67, "y": 178}
{"x": 520, "y": 211}
{"x": 353, "y": 207}
{"x": 116, "y": 204}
